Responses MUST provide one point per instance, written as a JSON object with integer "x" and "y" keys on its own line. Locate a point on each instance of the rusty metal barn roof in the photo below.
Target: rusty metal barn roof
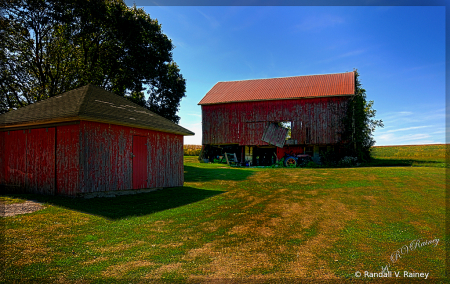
{"x": 311, "y": 86}
{"x": 89, "y": 103}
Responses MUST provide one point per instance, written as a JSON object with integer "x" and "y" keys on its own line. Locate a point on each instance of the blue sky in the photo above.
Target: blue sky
{"x": 399, "y": 52}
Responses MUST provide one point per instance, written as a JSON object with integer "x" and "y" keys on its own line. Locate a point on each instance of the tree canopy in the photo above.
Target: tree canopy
{"x": 48, "y": 47}
{"x": 359, "y": 124}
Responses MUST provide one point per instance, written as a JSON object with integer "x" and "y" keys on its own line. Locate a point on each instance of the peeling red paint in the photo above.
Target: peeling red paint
{"x": 88, "y": 157}
{"x": 40, "y": 160}
{"x": 30, "y": 159}
{"x": 3, "y": 157}
{"x": 140, "y": 157}
{"x": 314, "y": 120}
{"x": 15, "y": 157}
{"x": 67, "y": 159}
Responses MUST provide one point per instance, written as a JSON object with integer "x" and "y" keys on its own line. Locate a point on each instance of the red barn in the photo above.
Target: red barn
{"x": 88, "y": 141}
{"x": 244, "y": 117}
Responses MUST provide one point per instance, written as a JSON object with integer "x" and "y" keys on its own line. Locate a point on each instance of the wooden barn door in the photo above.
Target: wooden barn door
{"x": 140, "y": 162}
{"x": 30, "y": 159}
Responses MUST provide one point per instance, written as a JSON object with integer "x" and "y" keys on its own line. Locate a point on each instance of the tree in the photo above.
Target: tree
{"x": 359, "y": 124}
{"x": 49, "y": 47}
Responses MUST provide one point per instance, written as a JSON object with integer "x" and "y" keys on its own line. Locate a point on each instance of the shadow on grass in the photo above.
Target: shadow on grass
{"x": 375, "y": 162}
{"x": 127, "y": 205}
{"x": 197, "y": 174}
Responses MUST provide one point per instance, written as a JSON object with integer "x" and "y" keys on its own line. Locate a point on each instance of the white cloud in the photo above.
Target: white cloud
{"x": 409, "y": 139}
{"x": 408, "y": 128}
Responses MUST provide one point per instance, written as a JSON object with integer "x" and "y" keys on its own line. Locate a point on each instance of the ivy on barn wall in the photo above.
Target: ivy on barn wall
{"x": 359, "y": 124}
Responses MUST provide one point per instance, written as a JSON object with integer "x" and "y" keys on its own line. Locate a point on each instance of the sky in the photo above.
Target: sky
{"x": 399, "y": 52}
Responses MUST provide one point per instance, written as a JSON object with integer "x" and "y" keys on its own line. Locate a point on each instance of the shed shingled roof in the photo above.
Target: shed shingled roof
{"x": 90, "y": 103}
{"x": 338, "y": 84}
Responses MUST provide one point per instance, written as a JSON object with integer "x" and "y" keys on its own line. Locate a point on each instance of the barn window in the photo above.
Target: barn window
{"x": 288, "y": 125}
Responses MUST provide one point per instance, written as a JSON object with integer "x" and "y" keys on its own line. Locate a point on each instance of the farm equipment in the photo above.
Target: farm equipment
{"x": 296, "y": 160}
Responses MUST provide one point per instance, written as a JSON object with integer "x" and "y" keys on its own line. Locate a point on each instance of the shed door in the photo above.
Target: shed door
{"x": 140, "y": 153}
{"x": 30, "y": 159}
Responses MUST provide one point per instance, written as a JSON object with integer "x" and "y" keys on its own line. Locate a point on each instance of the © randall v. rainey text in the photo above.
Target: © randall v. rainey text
{"x": 388, "y": 274}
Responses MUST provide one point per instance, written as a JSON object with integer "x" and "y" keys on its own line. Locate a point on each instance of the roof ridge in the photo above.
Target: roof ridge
{"x": 38, "y": 103}
{"x": 285, "y": 77}
{"x": 83, "y": 100}
{"x": 305, "y": 86}
{"x": 133, "y": 103}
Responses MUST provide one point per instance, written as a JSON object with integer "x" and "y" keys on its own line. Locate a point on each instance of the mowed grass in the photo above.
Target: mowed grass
{"x": 245, "y": 224}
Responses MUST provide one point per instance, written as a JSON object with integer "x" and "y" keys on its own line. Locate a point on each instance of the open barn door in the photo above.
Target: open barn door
{"x": 275, "y": 135}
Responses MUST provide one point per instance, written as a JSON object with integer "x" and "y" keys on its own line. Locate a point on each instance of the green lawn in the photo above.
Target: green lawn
{"x": 237, "y": 223}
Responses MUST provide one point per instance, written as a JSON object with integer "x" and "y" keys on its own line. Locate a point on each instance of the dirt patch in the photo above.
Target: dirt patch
{"x": 121, "y": 269}
{"x": 95, "y": 260}
{"x": 8, "y": 210}
{"x": 122, "y": 246}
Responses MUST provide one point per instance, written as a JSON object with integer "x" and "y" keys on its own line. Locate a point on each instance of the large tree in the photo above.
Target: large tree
{"x": 359, "y": 124}
{"x": 49, "y": 47}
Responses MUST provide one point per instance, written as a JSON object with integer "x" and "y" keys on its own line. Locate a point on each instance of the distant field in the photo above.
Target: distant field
{"x": 246, "y": 224}
{"x": 414, "y": 155}
{"x": 192, "y": 150}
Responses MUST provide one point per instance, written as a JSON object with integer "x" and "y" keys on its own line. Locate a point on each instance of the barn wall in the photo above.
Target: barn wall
{"x": 15, "y": 157}
{"x": 29, "y": 159}
{"x": 67, "y": 159}
{"x": 106, "y": 157}
{"x": 40, "y": 160}
{"x": 314, "y": 121}
{"x": 2, "y": 157}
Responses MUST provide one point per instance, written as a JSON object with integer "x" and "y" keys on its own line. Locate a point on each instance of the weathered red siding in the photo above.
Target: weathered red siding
{"x": 30, "y": 159}
{"x": 88, "y": 157}
{"x": 140, "y": 157}
{"x": 106, "y": 160}
{"x": 2, "y": 157}
{"x": 15, "y": 157}
{"x": 314, "y": 121}
{"x": 67, "y": 159}
{"x": 40, "y": 160}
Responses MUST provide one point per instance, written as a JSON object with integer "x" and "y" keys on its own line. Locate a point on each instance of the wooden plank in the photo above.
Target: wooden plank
{"x": 226, "y": 156}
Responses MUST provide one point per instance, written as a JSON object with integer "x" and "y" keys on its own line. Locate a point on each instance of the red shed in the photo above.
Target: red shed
{"x": 87, "y": 141}
{"x": 262, "y": 119}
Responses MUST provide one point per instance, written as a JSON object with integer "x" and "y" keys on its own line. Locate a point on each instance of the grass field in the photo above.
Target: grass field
{"x": 414, "y": 155}
{"x": 241, "y": 223}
